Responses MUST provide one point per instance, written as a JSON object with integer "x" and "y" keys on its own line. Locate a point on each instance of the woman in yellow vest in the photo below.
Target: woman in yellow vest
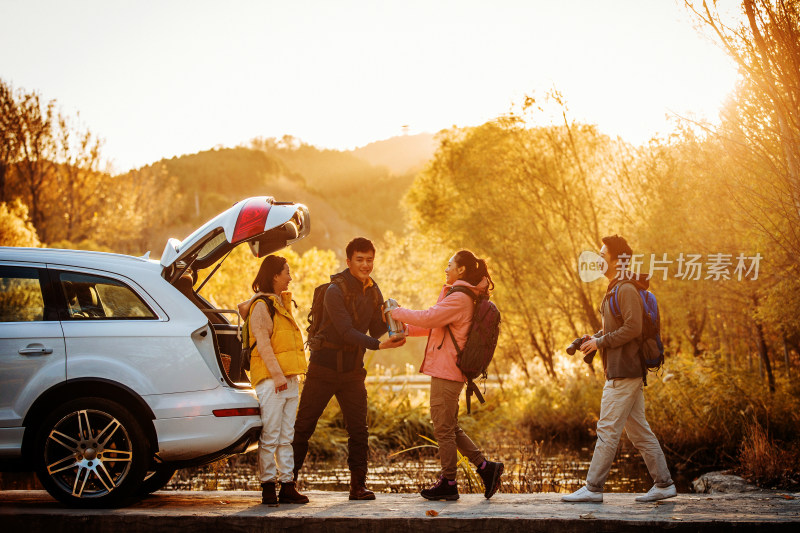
{"x": 277, "y": 359}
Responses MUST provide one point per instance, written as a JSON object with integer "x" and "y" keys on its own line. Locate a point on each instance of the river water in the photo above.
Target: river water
{"x": 533, "y": 468}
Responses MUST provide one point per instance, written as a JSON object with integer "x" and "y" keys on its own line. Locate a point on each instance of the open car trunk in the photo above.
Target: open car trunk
{"x": 261, "y": 222}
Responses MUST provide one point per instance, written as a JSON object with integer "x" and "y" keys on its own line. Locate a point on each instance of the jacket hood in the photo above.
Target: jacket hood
{"x": 481, "y": 287}
{"x": 244, "y": 307}
{"x": 639, "y": 280}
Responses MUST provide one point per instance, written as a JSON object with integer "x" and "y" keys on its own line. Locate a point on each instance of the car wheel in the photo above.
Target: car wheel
{"x": 91, "y": 452}
{"x": 156, "y": 479}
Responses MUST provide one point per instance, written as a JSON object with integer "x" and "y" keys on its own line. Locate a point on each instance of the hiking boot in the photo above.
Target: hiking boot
{"x": 358, "y": 486}
{"x": 583, "y": 494}
{"x": 658, "y": 493}
{"x": 289, "y": 494}
{"x": 268, "y": 494}
{"x": 490, "y": 474}
{"x": 444, "y": 489}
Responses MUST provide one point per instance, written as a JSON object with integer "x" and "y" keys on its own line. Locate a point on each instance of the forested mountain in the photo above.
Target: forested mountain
{"x": 347, "y": 195}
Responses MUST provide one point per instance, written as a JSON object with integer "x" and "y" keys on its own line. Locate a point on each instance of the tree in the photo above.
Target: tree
{"x": 15, "y": 226}
{"x": 8, "y": 126}
{"x": 79, "y": 188}
{"x": 36, "y": 149}
{"x": 136, "y": 208}
{"x": 761, "y": 124}
{"x": 530, "y": 199}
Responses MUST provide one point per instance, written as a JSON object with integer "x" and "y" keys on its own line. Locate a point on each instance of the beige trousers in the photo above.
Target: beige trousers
{"x": 278, "y": 413}
{"x": 622, "y": 407}
{"x": 451, "y": 438}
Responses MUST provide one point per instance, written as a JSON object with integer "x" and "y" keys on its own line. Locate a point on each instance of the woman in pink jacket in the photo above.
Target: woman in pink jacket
{"x": 452, "y": 310}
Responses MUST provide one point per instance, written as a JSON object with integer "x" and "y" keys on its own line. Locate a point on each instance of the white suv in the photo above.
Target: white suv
{"x": 114, "y": 372}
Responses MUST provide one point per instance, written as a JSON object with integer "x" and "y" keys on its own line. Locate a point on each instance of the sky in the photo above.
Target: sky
{"x": 156, "y": 79}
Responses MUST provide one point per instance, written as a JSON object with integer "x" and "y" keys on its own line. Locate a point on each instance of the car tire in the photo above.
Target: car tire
{"x": 91, "y": 452}
{"x": 156, "y": 479}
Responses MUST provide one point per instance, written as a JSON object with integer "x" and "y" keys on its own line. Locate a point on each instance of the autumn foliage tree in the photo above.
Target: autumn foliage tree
{"x": 526, "y": 198}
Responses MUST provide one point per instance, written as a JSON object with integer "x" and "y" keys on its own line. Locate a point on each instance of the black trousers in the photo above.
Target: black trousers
{"x": 348, "y": 387}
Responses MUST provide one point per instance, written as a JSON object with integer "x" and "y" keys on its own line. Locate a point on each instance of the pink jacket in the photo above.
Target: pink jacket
{"x": 455, "y": 310}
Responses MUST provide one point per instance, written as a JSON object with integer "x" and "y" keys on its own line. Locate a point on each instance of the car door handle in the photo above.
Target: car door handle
{"x": 35, "y": 349}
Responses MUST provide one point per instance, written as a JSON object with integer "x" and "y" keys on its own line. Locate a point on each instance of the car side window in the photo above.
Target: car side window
{"x": 96, "y": 297}
{"x": 20, "y": 295}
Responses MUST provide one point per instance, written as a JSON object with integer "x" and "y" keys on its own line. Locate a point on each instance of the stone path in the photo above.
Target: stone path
{"x": 224, "y": 512}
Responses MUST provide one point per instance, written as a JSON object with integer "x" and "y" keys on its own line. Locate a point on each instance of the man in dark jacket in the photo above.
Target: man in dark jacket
{"x": 352, "y": 308}
{"x": 622, "y": 406}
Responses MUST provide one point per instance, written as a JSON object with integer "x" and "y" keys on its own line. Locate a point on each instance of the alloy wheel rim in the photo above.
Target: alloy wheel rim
{"x": 88, "y": 453}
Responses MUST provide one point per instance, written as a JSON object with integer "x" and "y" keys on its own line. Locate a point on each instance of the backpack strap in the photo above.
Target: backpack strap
{"x": 613, "y": 301}
{"x": 463, "y": 290}
{"x": 347, "y": 293}
{"x": 270, "y": 309}
{"x": 473, "y": 389}
{"x": 453, "y": 338}
{"x": 471, "y": 294}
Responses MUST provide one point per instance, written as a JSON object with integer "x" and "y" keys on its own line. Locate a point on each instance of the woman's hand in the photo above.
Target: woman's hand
{"x": 280, "y": 383}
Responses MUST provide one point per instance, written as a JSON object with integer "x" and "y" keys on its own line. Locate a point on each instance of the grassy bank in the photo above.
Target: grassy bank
{"x": 705, "y": 415}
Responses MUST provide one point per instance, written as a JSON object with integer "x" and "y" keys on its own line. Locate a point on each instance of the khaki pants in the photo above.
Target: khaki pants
{"x": 622, "y": 407}
{"x": 444, "y": 414}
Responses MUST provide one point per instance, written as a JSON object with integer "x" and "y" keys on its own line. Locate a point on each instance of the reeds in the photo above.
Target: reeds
{"x": 765, "y": 462}
{"x": 704, "y": 416}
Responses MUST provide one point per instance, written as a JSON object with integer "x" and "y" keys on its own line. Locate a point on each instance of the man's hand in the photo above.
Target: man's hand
{"x": 393, "y": 342}
{"x": 589, "y": 346}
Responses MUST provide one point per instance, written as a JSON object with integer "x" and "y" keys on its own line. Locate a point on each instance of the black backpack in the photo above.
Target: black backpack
{"x": 247, "y": 348}
{"x": 314, "y": 338}
{"x": 474, "y": 358}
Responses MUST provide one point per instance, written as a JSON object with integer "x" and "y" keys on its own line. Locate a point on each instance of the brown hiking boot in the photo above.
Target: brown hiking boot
{"x": 289, "y": 494}
{"x": 358, "y": 488}
{"x": 268, "y": 494}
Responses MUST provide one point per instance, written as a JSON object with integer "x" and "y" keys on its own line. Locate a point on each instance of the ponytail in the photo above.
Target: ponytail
{"x": 475, "y": 269}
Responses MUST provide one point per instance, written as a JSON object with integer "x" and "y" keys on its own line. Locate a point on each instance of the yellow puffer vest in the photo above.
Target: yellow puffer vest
{"x": 286, "y": 340}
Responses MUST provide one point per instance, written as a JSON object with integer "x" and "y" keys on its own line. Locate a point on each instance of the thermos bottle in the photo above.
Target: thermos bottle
{"x": 394, "y": 327}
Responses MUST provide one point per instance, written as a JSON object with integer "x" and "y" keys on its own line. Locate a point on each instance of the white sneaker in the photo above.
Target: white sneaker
{"x": 583, "y": 495}
{"x": 657, "y": 493}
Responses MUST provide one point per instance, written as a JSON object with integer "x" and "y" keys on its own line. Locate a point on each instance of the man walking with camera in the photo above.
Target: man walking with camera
{"x": 622, "y": 405}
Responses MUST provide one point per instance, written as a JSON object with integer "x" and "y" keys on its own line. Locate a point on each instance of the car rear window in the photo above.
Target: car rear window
{"x": 210, "y": 246}
{"x": 20, "y": 295}
{"x": 96, "y": 297}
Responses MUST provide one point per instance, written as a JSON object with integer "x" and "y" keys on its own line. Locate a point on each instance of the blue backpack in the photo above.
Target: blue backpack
{"x": 651, "y": 349}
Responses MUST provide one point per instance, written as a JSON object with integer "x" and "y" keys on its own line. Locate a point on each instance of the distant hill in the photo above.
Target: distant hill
{"x": 211, "y": 181}
{"x": 401, "y": 155}
{"x": 364, "y": 194}
{"x": 346, "y": 194}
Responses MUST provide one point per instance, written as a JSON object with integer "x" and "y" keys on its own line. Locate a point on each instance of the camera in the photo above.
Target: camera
{"x": 576, "y": 344}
